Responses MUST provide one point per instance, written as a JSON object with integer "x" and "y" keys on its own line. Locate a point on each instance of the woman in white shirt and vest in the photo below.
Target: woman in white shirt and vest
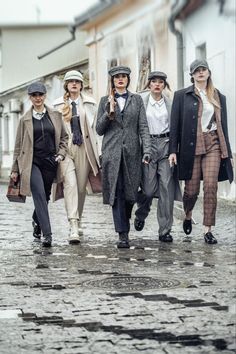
{"x": 158, "y": 176}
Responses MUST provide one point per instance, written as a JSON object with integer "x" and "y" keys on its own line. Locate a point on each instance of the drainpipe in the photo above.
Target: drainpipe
{"x": 72, "y": 31}
{"x": 179, "y": 37}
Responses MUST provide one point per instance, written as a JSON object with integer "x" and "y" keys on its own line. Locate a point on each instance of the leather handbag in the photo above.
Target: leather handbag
{"x": 13, "y": 192}
{"x": 95, "y": 181}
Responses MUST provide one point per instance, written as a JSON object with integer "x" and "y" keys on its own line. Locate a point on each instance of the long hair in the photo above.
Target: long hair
{"x": 66, "y": 109}
{"x": 210, "y": 91}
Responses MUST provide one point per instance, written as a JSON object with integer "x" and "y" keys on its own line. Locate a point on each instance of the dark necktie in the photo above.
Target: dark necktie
{"x": 75, "y": 126}
{"x": 123, "y": 95}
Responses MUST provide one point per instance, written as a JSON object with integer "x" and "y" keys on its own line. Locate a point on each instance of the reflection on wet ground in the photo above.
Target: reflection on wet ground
{"x": 93, "y": 298}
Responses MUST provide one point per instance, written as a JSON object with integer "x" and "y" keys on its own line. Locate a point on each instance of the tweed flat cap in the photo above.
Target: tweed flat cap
{"x": 197, "y": 64}
{"x": 36, "y": 87}
{"x": 74, "y": 75}
{"x": 119, "y": 70}
{"x": 155, "y": 74}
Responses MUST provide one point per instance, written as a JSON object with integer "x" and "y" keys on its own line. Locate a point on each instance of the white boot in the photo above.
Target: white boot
{"x": 80, "y": 228}
{"x": 74, "y": 231}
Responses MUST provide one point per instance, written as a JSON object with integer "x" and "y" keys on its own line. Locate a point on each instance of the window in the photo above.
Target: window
{"x": 144, "y": 60}
{"x": 110, "y": 64}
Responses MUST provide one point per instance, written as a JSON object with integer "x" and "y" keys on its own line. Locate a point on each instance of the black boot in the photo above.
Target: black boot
{"x": 123, "y": 241}
{"x": 47, "y": 240}
{"x": 36, "y": 230}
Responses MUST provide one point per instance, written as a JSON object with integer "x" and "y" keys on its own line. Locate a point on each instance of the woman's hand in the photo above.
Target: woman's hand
{"x": 14, "y": 176}
{"x": 59, "y": 158}
{"x": 172, "y": 160}
{"x": 146, "y": 158}
{"x": 111, "y": 107}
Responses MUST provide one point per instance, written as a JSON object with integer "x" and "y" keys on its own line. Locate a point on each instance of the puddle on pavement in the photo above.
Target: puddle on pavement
{"x": 173, "y": 300}
{"x": 137, "y": 334}
{"x": 8, "y": 314}
{"x": 47, "y": 286}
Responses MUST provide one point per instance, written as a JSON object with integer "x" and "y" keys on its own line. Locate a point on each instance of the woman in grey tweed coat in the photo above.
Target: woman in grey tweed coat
{"x": 126, "y": 144}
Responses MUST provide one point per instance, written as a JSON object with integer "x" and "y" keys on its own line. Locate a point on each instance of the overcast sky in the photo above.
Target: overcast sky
{"x": 41, "y": 11}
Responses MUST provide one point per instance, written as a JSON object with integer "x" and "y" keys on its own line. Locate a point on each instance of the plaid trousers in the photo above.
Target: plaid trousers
{"x": 207, "y": 167}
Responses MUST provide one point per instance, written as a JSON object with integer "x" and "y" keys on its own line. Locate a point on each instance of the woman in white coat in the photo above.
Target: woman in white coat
{"x": 79, "y": 114}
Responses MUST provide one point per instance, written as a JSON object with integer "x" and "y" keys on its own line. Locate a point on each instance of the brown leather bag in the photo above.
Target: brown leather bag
{"x": 95, "y": 181}
{"x": 13, "y": 192}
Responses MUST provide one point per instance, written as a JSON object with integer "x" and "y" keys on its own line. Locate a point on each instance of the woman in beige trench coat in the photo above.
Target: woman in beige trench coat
{"x": 79, "y": 117}
{"x": 41, "y": 142}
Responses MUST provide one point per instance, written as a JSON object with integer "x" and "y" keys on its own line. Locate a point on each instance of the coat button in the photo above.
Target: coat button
{"x": 195, "y": 103}
{"x": 194, "y": 117}
{"x": 191, "y": 144}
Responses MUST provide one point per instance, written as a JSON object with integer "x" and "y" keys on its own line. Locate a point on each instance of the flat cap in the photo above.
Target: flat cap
{"x": 73, "y": 75}
{"x": 197, "y": 64}
{"x": 155, "y": 74}
{"x": 36, "y": 87}
{"x": 115, "y": 70}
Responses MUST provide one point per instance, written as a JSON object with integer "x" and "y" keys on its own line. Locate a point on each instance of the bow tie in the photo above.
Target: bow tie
{"x": 123, "y": 95}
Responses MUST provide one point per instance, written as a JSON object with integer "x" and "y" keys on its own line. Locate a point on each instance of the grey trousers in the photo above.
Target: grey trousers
{"x": 158, "y": 181}
{"x": 41, "y": 183}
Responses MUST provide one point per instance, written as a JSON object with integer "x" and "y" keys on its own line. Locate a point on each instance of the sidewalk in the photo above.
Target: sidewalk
{"x": 93, "y": 298}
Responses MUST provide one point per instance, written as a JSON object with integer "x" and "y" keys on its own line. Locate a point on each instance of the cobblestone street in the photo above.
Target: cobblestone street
{"x": 93, "y": 298}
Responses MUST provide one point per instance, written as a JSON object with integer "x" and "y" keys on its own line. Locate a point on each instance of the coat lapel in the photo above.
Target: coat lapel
{"x": 29, "y": 123}
{"x": 53, "y": 116}
{"x": 168, "y": 106}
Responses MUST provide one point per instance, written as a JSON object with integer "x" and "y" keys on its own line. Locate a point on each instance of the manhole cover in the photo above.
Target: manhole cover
{"x": 131, "y": 283}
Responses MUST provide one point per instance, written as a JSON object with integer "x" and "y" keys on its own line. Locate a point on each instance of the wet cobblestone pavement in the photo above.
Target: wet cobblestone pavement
{"x": 93, "y": 298}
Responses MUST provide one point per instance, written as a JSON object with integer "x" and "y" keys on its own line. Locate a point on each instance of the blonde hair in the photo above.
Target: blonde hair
{"x": 210, "y": 91}
{"x": 66, "y": 109}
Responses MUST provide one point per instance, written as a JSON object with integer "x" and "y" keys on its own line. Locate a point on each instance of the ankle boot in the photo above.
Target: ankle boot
{"x": 80, "y": 228}
{"x": 74, "y": 231}
{"x": 47, "y": 240}
{"x": 36, "y": 230}
{"x": 123, "y": 241}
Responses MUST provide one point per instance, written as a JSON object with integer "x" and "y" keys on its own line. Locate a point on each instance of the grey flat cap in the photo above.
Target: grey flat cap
{"x": 119, "y": 70}
{"x": 155, "y": 74}
{"x": 197, "y": 64}
{"x": 36, "y": 87}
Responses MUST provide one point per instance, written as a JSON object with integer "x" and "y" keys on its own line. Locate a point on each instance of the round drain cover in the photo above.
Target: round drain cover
{"x": 131, "y": 283}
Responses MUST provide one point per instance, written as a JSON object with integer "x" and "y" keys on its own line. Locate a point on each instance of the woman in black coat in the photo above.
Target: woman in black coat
{"x": 122, "y": 121}
{"x": 199, "y": 143}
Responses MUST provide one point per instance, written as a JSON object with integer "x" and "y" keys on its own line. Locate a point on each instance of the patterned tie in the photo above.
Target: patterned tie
{"x": 75, "y": 126}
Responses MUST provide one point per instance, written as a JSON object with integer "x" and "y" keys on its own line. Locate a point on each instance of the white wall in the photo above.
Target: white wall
{"x": 21, "y": 46}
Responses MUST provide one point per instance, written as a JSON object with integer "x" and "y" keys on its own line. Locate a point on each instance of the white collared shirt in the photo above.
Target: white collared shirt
{"x": 39, "y": 115}
{"x": 157, "y": 116}
{"x": 121, "y": 102}
{"x": 207, "y": 112}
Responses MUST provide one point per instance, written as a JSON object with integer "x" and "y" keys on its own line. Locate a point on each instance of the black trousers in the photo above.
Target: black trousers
{"x": 122, "y": 209}
{"x": 41, "y": 183}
